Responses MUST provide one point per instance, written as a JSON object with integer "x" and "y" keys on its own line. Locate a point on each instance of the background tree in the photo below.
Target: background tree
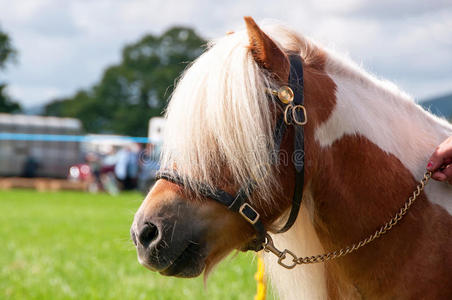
{"x": 7, "y": 55}
{"x": 135, "y": 90}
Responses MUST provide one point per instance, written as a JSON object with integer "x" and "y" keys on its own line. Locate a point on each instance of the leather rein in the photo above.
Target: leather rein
{"x": 291, "y": 99}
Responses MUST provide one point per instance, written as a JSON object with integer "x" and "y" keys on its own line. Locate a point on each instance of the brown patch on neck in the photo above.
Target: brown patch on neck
{"x": 359, "y": 188}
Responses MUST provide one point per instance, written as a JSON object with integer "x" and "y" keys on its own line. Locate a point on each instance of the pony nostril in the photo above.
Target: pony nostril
{"x": 148, "y": 233}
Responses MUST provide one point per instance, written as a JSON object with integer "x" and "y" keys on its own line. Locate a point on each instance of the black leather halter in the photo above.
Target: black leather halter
{"x": 294, "y": 114}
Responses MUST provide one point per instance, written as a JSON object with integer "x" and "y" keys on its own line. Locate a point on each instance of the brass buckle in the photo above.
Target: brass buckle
{"x": 294, "y": 115}
{"x": 286, "y": 111}
{"x": 247, "y": 206}
{"x": 282, "y": 255}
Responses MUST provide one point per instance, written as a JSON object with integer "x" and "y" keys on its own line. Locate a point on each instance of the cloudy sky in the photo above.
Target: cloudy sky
{"x": 64, "y": 45}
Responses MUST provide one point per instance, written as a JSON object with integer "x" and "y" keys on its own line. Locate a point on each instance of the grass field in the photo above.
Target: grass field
{"x": 73, "y": 245}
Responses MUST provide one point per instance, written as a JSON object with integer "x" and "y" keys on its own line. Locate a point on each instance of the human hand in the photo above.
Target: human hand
{"x": 440, "y": 163}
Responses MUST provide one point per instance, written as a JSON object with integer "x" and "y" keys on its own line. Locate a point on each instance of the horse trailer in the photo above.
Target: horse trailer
{"x": 24, "y": 153}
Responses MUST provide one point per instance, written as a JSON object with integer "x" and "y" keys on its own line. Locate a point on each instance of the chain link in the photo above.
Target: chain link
{"x": 269, "y": 247}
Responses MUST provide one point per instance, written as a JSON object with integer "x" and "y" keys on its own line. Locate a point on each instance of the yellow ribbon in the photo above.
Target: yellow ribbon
{"x": 260, "y": 279}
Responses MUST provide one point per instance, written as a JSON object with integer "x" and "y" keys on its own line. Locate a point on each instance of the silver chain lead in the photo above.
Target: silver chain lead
{"x": 283, "y": 255}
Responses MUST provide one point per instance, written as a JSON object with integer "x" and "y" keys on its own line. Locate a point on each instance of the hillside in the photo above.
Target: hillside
{"x": 441, "y": 106}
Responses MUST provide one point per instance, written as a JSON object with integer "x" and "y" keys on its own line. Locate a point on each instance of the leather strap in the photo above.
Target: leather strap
{"x": 235, "y": 203}
{"x": 296, "y": 84}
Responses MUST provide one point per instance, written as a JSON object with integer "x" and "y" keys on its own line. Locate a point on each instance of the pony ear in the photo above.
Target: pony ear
{"x": 266, "y": 53}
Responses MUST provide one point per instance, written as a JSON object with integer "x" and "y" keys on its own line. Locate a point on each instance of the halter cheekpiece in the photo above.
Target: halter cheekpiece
{"x": 294, "y": 113}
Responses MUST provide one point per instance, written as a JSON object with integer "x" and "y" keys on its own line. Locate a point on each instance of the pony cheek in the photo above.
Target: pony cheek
{"x": 225, "y": 229}
{"x": 221, "y": 247}
{"x": 224, "y": 232}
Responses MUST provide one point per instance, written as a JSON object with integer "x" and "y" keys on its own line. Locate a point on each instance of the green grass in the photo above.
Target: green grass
{"x": 73, "y": 245}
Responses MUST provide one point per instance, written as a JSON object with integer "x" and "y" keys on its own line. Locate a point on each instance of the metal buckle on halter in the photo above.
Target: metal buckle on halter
{"x": 249, "y": 213}
{"x": 294, "y": 115}
{"x": 290, "y": 114}
{"x": 287, "y": 120}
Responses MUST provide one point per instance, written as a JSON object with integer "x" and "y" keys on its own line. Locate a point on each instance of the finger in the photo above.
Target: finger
{"x": 442, "y": 155}
{"x": 440, "y": 176}
{"x": 435, "y": 161}
{"x": 448, "y": 172}
{"x": 438, "y": 159}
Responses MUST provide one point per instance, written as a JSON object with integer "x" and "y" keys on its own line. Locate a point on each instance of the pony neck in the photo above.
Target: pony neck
{"x": 373, "y": 148}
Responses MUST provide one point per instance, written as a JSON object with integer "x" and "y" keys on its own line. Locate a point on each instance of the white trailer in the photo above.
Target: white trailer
{"x": 53, "y": 157}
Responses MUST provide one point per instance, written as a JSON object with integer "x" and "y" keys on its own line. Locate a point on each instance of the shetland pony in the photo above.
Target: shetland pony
{"x": 366, "y": 146}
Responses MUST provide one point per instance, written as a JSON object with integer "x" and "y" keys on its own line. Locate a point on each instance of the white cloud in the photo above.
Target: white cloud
{"x": 65, "y": 45}
{"x": 28, "y": 91}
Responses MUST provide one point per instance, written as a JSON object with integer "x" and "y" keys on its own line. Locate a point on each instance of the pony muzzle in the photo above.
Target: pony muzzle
{"x": 167, "y": 242}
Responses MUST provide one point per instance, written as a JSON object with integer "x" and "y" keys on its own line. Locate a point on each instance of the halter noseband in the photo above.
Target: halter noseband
{"x": 291, "y": 99}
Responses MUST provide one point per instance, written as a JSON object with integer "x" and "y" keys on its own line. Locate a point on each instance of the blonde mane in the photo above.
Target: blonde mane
{"x": 220, "y": 118}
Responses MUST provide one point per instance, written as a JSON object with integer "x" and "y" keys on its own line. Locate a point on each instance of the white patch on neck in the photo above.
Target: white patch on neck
{"x": 388, "y": 118}
{"x": 304, "y": 281}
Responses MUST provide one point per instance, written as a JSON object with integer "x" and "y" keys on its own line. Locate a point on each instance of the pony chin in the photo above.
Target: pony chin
{"x": 211, "y": 262}
{"x": 216, "y": 256}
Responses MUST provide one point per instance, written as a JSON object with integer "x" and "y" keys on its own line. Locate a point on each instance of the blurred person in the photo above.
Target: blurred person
{"x": 150, "y": 164}
{"x": 30, "y": 166}
{"x": 107, "y": 173}
{"x": 126, "y": 168}
{"x": 109, "y": 161}
{"x": 133, "y": 165}
{"x": 93, "y": 161}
